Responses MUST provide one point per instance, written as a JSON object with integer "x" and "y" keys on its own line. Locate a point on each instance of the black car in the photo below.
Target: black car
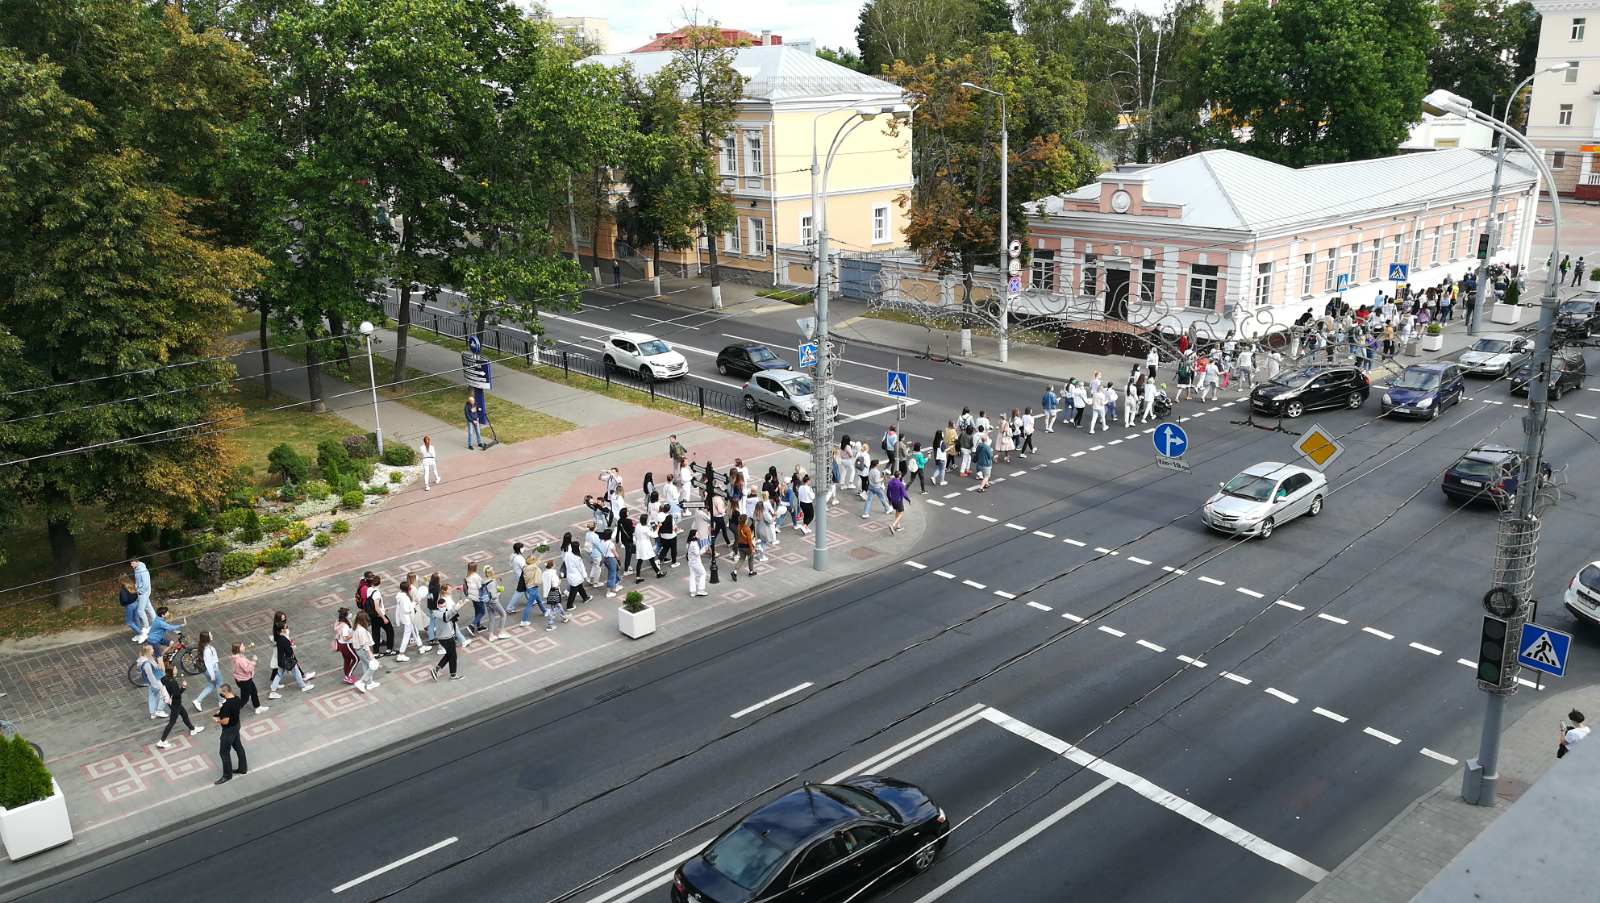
{"x": 1424, "y": 390}
{"x": 748, "y": 360}
{"x": 1578, "y": 318}
{"x": 1486, "y": 473}
{"x": 1567, "y": 371}
{"x": 821, "y": 843}
{"x": 1294, "y": 393}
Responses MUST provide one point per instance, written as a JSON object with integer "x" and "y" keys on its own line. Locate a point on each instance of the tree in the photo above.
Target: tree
{"x": 703, "y": 65}
{"x": 912, "y": 30}
{"x": 953, "y": 217}
{"x": 1320, "y": 81}
{"x": 658, "y": 209}
{"x": 112, "y": 116}
{"x": 1481, "y": 50}
{"x": 843, "y": 56}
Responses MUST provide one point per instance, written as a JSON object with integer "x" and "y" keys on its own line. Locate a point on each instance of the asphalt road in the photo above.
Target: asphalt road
{"x": 1109, "y": 701}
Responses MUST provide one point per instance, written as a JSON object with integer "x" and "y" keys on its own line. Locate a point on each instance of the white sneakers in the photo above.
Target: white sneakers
{"x": 157, "y": 715}
{"x": 196, "y": 730}
{"x": 308, "y": 688}
{"x": 274, "y": 695}
{"x": 162, "y": 744}
{"x": 260, "y": 709}
{"x": 402, "y": 658}
{"x": 197, "y": 707}
{"x": 502, "y": 635}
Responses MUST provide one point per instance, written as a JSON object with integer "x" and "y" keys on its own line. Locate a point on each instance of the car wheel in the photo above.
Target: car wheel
{"x": 1555, "y": 391}
{"x": 925, "y": 858}
{"x": 749, "y": 403}
{"x": 795, "y": 416}
{"x": 1316, "y": 506}
{"x": 646, "y": 375}
{"x": 1293, "y": 409}
{"x": 1266, "y": 527}
{"x": 610, "y": 364}
{"x": 1355, "y": 401}
{"x": 722, "y": 368}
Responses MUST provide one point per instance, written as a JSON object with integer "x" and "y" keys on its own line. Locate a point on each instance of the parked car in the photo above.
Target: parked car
{"x": 822, "y": 842}
{"x": 1495, "y": 354}
{"x": 1567, "y": 372}
{"x": 646, "y": 355}
{"x": 1263, "y": 497}
{"x": 1486, "y": 473}
{"x": 1583, "y": 593}
{"x": 1578, "y": 318}
{"x": 747, "y": 360}
{"x": 787, "y": 392}
{"x": 1294, "y": 393}
{"x": 1424, "y": 390}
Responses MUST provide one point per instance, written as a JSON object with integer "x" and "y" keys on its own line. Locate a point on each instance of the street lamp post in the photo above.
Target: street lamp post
{"x": 1481, "y": 775}
{"x": 1492, "y": 229}
{"x": 1005, "y": 216}
{"x": 822, "y": 411}
{"x": 372, "y": 379}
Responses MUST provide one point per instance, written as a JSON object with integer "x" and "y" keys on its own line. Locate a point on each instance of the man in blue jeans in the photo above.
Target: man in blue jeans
{"x": 474, "y": 419}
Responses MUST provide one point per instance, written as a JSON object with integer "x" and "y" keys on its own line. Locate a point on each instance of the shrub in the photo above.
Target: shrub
{"x": 298, "y": 532}
{"x": 361, "y": 469}
{"x": 274, "y": 523}
{"x": 232, "y": 519}
{"x": 332, "y": 460}
{"x": 352, "y": 499}
{"x": 365, "y": 446}
{"x": 317, "y": 490}
{"x": 634, "y": 601}
{"x": 285, "y": 462}
{"x": 211, "y": 542}
{"x": 251, "y": 531}
{"x": 1513, "y": 293}
{"x": 1435, "y": 329}
{"x": 340, "y": 527}
{"x": 400, "y": 455}
{"x": 290, "y": 493}
{"x": 23, "y": 777}
{"x": 273, "y": 559}
{"x": 323, "y": 540}
{"x": 396, "y": 477}
{"x": 376, "y": 490}
{"x": 238, "y": 564}
{"x": 346, "y": 482}
{"x": 171, "y": 538}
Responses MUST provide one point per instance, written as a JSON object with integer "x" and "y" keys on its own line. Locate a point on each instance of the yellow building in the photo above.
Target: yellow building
{"x": 793, "y": 98}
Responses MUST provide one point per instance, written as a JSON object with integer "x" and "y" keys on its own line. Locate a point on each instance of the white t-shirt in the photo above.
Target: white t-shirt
{"x": 1027, "y": 424}
{"x": 428, "y": 453}
{"x": 1576, "y": 734}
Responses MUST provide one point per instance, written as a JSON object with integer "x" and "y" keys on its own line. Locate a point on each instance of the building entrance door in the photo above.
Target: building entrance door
{"x": 1116, "y": 294}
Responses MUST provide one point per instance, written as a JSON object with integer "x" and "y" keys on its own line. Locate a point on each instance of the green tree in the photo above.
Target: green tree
{"x": 1320, "y": 81}
{"x": 112, "y": 118}
{"x": 912, "y": 30}
{"x": 658, "y": 209}
{"x": 843, "y": 56}
{"x": 713, "y": 89}
{"x": 1480, "y": 52}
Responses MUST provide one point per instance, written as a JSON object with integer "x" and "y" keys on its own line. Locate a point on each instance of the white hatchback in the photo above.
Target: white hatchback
{"x": 646, "y": 355}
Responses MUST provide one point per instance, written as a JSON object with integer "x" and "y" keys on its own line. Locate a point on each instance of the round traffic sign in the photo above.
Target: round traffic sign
{"x": 1015, "y": 266}
{"x": 1500, "y": 602}
{"x": 1015, "y": 248}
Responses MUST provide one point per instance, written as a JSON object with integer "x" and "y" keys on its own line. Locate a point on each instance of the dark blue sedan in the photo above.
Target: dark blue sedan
{"x": 1424, "y": 390}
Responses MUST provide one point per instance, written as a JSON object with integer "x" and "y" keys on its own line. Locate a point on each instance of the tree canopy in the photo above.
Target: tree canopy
{"x": 1484, "y": 50}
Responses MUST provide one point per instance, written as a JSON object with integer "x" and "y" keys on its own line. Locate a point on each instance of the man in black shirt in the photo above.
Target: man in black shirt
{"x": 229, "y": 718}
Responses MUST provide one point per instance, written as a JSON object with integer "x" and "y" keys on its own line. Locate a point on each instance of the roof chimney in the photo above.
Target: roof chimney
{"x": 766, "y": 38}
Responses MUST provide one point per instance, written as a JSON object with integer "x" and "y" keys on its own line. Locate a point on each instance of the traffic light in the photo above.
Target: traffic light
{"x": 1483, "y": 245}
{"x": 1497, "y": 653}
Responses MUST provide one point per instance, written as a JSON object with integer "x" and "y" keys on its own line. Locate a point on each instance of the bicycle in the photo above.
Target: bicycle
{"x": 8, "y": 729}
{"x": 187, "y": 657}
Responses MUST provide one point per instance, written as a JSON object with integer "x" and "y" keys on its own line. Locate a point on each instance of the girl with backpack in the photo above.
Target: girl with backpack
{"x": 378, "y": 614}
{"x": 287, "y": 661}
{"x": 492, "y": 591}
{"x": 448, "y": 616}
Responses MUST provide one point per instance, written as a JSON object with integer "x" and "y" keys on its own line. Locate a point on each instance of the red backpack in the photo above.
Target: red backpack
{"x": 361, "y": 594}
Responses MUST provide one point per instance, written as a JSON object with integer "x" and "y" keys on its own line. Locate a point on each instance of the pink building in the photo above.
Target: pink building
{"x": 1249, "y": 245}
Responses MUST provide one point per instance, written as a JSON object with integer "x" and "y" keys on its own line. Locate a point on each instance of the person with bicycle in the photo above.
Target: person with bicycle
{"x": 159, "y": 628}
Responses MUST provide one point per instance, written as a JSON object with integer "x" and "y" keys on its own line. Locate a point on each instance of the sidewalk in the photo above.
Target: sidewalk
{"x": 1418, "y": 843}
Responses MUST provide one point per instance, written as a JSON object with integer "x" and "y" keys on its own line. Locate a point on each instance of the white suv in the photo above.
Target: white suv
{"x": 645, "y": 355}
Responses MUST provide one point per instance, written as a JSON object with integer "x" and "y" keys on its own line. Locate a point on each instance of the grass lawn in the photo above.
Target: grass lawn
{"x": 787, "y": 295}
{"x": 265, "y": 428}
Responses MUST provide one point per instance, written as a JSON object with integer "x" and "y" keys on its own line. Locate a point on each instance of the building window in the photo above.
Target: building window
{"x": 1436, "y": 237}
{"x": 730, "y": 241}
{"x": 880, "y": 224}
{"x": 1043, "y": 267}
{"x": 730, "y": 155}
{"x": 752, "y": 153}
{"x": 1564, "y": 114}
{"x": 1305, "y": 278}
{"x": 806, "y": 234}
{"x": 1415, "y": 239}
{"x": 1332, "y": 257}
{"x": 1396, "y": 249}
{"x": 1203, "y": 286}
{"x": 1355, "y": 262}
{"x": 1147, "y": 280}
{"x": 1577, "y": 28}
{"x": 1263, "y": 284}
{"x": 758, "y": 237}
{"x": 1571, "y": 75}
{"x": 1558, "y": 159}
{"x": 1455, "y": 241}
{"x": 1377, "y": 252}
{"x": 1091, "y": 275}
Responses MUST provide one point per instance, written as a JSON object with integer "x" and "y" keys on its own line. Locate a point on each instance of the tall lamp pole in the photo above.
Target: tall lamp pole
{"x": 1518, "y": 542}
{"x": 1492, "y": 230}
{"x": 1005, "y": 216}
{"x": 822, "y": 411}
{"x": 372, "y": 379}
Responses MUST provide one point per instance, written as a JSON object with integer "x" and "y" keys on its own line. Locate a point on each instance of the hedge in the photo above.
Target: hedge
{"x": 231, "y": 519}
{"x": 238, "y": 564}
{"x": 23, "y": 777}
{"x": 402, "y": 455}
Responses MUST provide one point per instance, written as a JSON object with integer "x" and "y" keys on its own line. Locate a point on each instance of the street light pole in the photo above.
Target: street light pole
{"x": 1005, "y": 217}
{"x": 1492, "y": 229}
{"x": 372, "y": 379}
{"x": 1518, "y": 544}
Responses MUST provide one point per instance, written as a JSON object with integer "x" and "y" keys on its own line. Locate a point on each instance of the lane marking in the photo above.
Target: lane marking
{"x": 1334, "y": 716}
{"x": 1076, "y": 454}
{"x": 1327, "y": 617}
{"x": 1290, "y": 605}
{"x": 1428, "y": 649}
{"x": 918, "y": 565}
{"x": 945, "y": 574}
{"x": 1249, "y": 592}
{"x": 1236, "y": 678}
{"x": 771, "y": 699}
{"x": 1390, "y": 739}
{"x": 974, "y": 584}
{"x": 1072, "y": 617}
{"x": 1212, "y": 580}
{"x": 1172, "y": 570}
{"x": 1438, "y": 757}
{"x": 986, "y": 517}
{"x": 1377, "y": 633}
{"x": 1039, "y": 605}
{"x": 1102, "y": 550}
{"x": 1074, "y": 542}
{"x": 1151, "y": 646}
{"x": 395, "y": 864}
{"x": 953, "y": 495}
{"x": 959, "y": 510}
{"x": 1044, "y": 534}
{"x": 1005, "y": 849}
{"x": 1137, "y": 560}
{"x": 1005, "y": 595}
{"x": 1018, "y": 527}
{"x": 1115, "y": 442}
{"x": 1091, "y": 448}
{"x": 956, "y": 722}
{"x": 1191, "y": 661}
{"x": 1162, "y": 797}
{"x": 1057, "y": 460}
{"x": 936, "y": 502}
{"x": 1020, "y": 473}
{"x": 1111, "y": 630}
{"x": 1274, "y": 691}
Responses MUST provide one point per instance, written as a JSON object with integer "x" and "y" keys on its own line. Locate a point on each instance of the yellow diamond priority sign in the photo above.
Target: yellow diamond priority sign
{"x": 1319, "y": 447}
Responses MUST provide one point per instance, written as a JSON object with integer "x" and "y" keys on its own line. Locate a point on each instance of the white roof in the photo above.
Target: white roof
{"x": 1224, "y": 189}
{"x": 775, "y": 73}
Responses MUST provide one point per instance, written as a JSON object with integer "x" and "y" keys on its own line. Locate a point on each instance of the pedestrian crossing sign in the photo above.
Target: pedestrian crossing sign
{"x": 808, "y": 354}
{"x": 1344, "y": 282}
{"x": 1319, "y": 447}
{"x": 1398, "y": 272}
{"x": 1544, "y": 649}
{"x": 898, "y": 384}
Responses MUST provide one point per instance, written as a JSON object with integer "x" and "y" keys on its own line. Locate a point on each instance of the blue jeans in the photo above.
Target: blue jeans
{"x": 530, "y": 601}
{"x": 213, "y": 685}
{"x": 552, "y": 609}
{"x": 154, "y": 696}
{"x": 479, "y": 609}
{"x": 874, "y": 492}
{"x": 130, "y": 616}
{"x": 612, "y": 576}
{"x": 433, "y": 625}
{"x": 147, "y": 612}
{"x": 474, "y": 433}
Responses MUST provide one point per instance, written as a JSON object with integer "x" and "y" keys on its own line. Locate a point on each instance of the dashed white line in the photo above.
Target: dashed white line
{"x": 394, "y": 865}
{"x": 1111, "y": 630}
{"x": 959, "y": 510}
{"x": 1236, "y": 678}
{"x": 974, "y": 584}
{"x": 1096, "y": 447}
{"x": 1428, "y": 649}
{"x": 1044, "y": 534}
{"x": 1588, "y": 416}
{"x": 1020, "y": 473}
{"x": 1137, "y": 560}
{"x": 1274, "y": 691}
{"x": 945, "y": 574}
{"x": 1327, "y": 617}
{"x": 1212, "y": 580}
{"x": 770, "y": 700}
{"x": 1018, "y": 527}
{"x": 1005, "y": 595}
{"x": 953, "y": 495}
{"x": 1215, "y": 409}
{"x": 1290, "y": 605}
{"x": 1149, "y": 431}
{"x": 1248, "y": 592}
{"x": 1074, "y": 542}
{"x": 1079, "y": 454}
{"x": 992, "y": 520}
{"x": 1115, "y": 442}
{"x": 1072, "y": 617}
{"x": 1172, "y": 570}
{"x": 1438, "y": 757}
{"x": 1334, "y": 716}
{"x": 1039, "y": 605}
{"x": 936, "y": 502}
{"x": 1057, "y": 460}
{"x": 1377, "y": 633}
{"x": 918, "y": 565}
{"x": 1102, "y": 550}
{"x": 1151, "y": 646}
{"x": 1390, "y": 739}
{"x": 1191, "y": 661}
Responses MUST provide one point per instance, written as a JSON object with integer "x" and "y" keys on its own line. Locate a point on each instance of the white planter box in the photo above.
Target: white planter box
{"x": 1506, "y": 314}
{"x": 1433, "y": 342}
{"x": 636, "y": 624}
{"x": 36, "y": 827}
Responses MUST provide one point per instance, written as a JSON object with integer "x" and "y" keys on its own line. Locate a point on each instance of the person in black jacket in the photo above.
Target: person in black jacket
{"x": 229, "y": 718}
{"x": 288, "y": 663}
{"x": 175, "y": 687}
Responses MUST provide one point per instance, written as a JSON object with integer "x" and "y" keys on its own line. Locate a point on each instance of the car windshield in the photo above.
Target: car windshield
{"x": 745, "y": 856}
{"x": 1577, "y": 307}
{"x": 799, "y": 385}
{"x": 1294, "y": 379}
{"x": 859, "y": 800}
{"x": 1418, "y": 379}
{"x": 1491, "y": 346}
{"x": 1472, "y": 467}
{"x": 1254, "y": 488}
{"x": 653, "y": 346}
{"x": 761, "y": 354}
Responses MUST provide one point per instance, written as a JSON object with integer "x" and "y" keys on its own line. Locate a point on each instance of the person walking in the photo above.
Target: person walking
{"x": 898, "y": 499}
{"x": 936, "y": 459}
{"x": 141, "y": 589}
{"x": 695, "y": 551}
{"x": 577, "y": 577}
{"x": 718, "y": 507}
{"x": 430, "y": 464}
{"x": 1028, "y": 427}
{"x": 128, "y": 598}
{"x": 409, "y": 612}
{"x": 667, "y": 537}
{"x": 609, "y": 558}
{"x": 966, "y": 442}
{"x": 155, "y": 693}
{"x": 230, "y": 717}
{"x": 1049, "y": 404}
{"x": 288, "y": 663}
{"x": 1149, "y": 394}
{"x": 1209, "y": 382}
{"x": 244, "y": 674}
{"x": 550, "y": 594}
{"x": 1097, "y": 409}
{"x": 1111, "y": 403}
{"x": 1080, "y": 403}
{"x": 983, "y": 460}
{"x": 806, "y": 497}
{"x": 1577, "y": 272}
{"x": 875, "y": 487}
{"x": 1131, "y": 398}
{"x": 472, "y": 591}
{"x": 644, "y": 541}
{"x": 474, "y": 429}
{"x": 493, "y": 591}
{"x": 210, "y": 666}
{"x": 1566, "y": 263}
{"x": 1574, "y": 730}
{"x": 449, "y": 618}
{"x": 174, "y": 686}
{"x": 744, "y": 545}
{"x": 1004, "y": 445}
{"x": 378, "y": 613}
{"x": 361, "y": 645}
{"x": 626, "y": 532}
{"x": 343, "y": 632}
{"x": 1247, "y": 367}
{"x": 1151, "y": 362}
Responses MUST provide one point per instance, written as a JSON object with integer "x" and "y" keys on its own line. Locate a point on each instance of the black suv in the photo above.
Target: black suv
{"x": 748, "y": 360}
{"x": 1294, "y": 393}
{"x": 1567, "y": 370}
{"x": 1486, "y": 473}
{"x": 1578, "y": 318}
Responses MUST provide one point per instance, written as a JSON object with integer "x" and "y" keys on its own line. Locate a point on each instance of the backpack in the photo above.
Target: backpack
{"x": 361, "y": 594}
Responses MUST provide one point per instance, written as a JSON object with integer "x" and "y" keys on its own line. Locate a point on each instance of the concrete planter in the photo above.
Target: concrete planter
{"x": 1433, "y": 342}
{"x": 636, "y": 624}
{"x": 36, "y": 827}
{"x": 1506, "y": 314}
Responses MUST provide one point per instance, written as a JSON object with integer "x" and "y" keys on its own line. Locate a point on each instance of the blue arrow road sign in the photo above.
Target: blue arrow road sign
{"x": 1170, "y": 440}
{"x": 1543, "y": 649}
{"x": 808, "y": 354}
{"x": 1344, "y": 282}
{"x": 898, "y": 383}
{"x": 1398, "y": 272}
